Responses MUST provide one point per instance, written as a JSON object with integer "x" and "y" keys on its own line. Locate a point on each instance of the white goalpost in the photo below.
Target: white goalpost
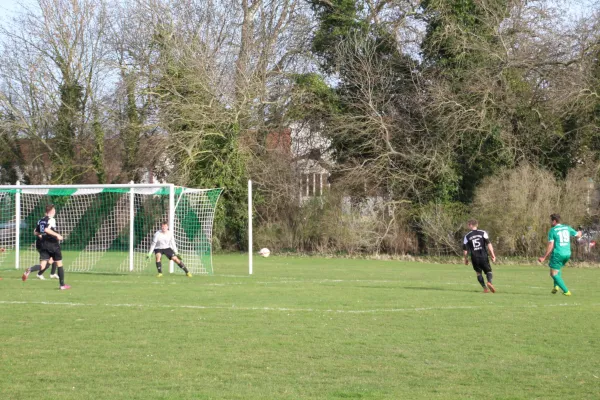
{"x": 249, "y": 227}
{"x": 109, "y": 228}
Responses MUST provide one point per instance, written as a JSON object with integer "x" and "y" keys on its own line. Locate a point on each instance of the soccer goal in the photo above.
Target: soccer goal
{"x": 109, "y": 228}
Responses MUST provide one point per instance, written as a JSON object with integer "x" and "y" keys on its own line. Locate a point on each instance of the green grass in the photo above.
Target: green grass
{"x": 302, "y": 328}
{"x": 106, "y": 262}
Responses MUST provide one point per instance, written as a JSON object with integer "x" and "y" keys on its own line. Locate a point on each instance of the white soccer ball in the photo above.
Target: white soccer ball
{"x": 264, "y": 252}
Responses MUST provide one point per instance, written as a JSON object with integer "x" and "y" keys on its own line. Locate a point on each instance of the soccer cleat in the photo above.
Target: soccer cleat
{"x": 159, "y": 276}
{"x": 65, "y": 287}
{"x": 485, "y": 290}
{"x": 41, "y": 277}
{"x": 189, "y": 274}
{"x": 54, "y": 276}
{"x": 26, "y": 274}
{"x": 492, "y": 288}
{"x": 567, "y": 293}
{"x": 555, "y": 290}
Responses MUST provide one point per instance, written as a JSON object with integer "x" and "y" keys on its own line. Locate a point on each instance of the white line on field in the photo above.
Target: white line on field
{"x": 286, "y": 309}
{"x": 317, "y": 281}
{"x": 156, "y": 282}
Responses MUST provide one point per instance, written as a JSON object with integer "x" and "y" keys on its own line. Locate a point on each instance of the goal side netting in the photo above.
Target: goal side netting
{"x": 109, "y": 228}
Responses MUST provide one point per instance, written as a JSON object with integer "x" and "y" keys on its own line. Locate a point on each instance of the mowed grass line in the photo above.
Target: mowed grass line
{"x": 302, "y": 328}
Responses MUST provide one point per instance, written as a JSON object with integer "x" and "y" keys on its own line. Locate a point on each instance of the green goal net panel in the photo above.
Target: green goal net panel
{"x": 109, "y": 228}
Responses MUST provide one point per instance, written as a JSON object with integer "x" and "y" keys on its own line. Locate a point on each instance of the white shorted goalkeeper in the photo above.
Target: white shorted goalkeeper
{"x": 164, "y": 243}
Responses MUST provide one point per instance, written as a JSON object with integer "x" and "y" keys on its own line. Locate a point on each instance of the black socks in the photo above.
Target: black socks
{"x": 182, "y": 266}
{"x": 159, "y": 267}
{"x": 54, "y": 266}
{"x": 489, "y": 276}
{"x": 481, "y": 281}
{"x": 61, "y": 276}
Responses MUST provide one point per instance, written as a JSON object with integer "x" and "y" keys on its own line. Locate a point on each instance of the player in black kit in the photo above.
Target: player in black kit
{"x": 50, "y": 246}
{"x": 477, "y": 242}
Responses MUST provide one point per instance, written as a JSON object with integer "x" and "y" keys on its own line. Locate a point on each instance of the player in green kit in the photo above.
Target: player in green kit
{"x": 559, "y": 245}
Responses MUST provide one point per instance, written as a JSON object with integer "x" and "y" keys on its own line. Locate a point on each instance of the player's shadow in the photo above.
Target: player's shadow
{"x": 442, "y": 289}
{"x": 539, "y": 292}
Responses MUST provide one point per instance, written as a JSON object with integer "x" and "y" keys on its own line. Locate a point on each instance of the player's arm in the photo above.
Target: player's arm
{"x": 465, "y": 251}
{"x": 576, "y": 233}
{"x": 548, "y": 251}
{"x": 36, "y": 233}
{"x": 49, "y": 231}
{"x": 491, "y": 251}
{"x": 490, "y": 248}
{"x": 154, "y": 240}
{"x": 172, "y": 244}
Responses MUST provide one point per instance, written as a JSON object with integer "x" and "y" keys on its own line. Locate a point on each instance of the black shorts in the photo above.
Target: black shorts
{"x": 169, "y": 253}
{"x": 481, "y": 265}
{"x": 50, "y": 250}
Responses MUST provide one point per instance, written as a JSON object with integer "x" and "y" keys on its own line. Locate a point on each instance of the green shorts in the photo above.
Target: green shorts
{"x": 558, "y": 261}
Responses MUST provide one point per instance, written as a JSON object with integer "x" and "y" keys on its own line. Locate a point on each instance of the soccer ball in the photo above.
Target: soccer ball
{"x": 265, "y": 252}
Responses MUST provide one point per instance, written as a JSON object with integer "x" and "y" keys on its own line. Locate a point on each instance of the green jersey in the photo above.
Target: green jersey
{"x": 561, "y": 236}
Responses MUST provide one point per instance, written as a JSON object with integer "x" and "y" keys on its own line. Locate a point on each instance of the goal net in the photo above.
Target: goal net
{"x": 109, "y": 228}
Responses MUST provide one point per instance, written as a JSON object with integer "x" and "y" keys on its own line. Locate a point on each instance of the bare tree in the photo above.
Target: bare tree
{"x": 51, "y": 73}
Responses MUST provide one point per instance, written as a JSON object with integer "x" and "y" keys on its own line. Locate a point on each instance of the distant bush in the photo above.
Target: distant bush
{"x": 442, "y": 226}
{"x": 515, "y": 205}
{"x": 325, "y": 225}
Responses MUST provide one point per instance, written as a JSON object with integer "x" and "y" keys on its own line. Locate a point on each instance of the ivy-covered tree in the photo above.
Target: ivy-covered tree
{"x": 66, "y": 131}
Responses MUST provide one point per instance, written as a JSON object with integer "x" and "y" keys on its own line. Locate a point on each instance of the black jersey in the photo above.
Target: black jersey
{"x": 47, "y": 222}
{"x": 475, "y": 242}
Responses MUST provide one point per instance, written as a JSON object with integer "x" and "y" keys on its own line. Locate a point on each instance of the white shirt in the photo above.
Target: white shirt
{"x": 52, "y": 223}
{"x": 163, "y": 240}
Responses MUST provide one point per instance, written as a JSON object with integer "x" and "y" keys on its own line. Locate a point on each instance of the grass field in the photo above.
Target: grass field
{"x": 302, "y": 328}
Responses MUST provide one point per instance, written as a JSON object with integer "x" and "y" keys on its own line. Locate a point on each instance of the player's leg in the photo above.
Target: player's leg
{"x": 487, "y": 268}
{"x": 40, "y": 274}
{"x": 57, "y": 257}
{"x": 158, "y": 258}
{"x": 38, "y": 267}
{"x": 478, "y": 271}
{"x": 560, "y": 281}
{"x": 44, "y": 256}
{"x": 555, "y": 287}
{"x": 171, "y": 254}
{"x": 556, "y": 265}
{"x": 481, "y": 281}
{"x": 53, "y": 274}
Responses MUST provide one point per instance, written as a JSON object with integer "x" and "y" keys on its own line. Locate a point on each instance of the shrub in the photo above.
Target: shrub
{"x": 442, "y": 226}
{"x": 515, "y": 205}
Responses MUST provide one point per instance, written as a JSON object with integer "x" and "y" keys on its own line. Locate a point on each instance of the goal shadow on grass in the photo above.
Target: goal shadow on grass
{"x": 105, "y": 274}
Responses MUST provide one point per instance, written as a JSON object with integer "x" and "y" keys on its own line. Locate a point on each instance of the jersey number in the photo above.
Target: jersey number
{"x": 476, "y": 243}
{"x": 564, "y": 237}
